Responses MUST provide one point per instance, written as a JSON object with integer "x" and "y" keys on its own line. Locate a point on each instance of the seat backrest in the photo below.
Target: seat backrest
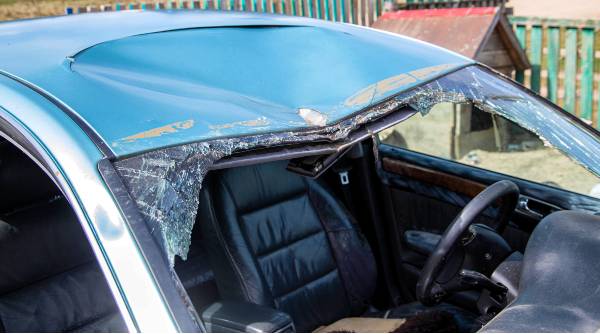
{"x": 281, "y": 240}
{"x": 195, "y": 273}
{"x": 49, "y": 278}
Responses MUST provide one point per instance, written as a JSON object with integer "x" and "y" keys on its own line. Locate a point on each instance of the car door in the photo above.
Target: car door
{"x": 433, "y": 164}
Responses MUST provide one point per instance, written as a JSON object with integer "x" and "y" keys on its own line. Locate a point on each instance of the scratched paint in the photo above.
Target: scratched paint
{"x": 160, "y": 131}
{"x": 380, "y": 89}
{"x": 259, "y": 122}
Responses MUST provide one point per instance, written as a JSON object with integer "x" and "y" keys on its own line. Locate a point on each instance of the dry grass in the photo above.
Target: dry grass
{"x": 12, "y": 10}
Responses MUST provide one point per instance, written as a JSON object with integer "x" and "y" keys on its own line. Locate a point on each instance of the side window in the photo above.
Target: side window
{"x": 50, "y": 280}
{"x": 468, "y": 135}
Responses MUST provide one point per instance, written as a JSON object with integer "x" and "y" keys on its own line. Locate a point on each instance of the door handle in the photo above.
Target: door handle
{"x": 535, "y": 209}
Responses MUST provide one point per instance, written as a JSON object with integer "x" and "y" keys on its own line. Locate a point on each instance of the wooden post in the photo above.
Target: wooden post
{"x": 269, "y": 6}
{"x": 289, "y": 8}
{"x": 248, "y": 6}
{"x": 368, "y": 8}
{"x": 571, "y": 70}
{"x": 348, "y": 15}
{"x": 237, "y": 5}
{"x": 278, "y": 7}
{"x": 315, "y": 9}
{"x": 553, "y": 62}
{"x": 299, "y": 8}
{"x": 588, "y": 37}
{"x": 331, "y": 10}
{"x": 306, "y": 9}
{"x": 357, "y": 12}
{"x": 521, "y": 32}
{"x": 535, "y": 57}
{"x": 322, "y": 13}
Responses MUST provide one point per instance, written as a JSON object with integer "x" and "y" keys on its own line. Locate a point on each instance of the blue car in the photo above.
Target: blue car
{"x": 177, "y": 171}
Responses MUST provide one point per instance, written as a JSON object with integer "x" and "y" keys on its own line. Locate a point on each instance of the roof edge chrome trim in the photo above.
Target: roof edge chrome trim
{"x": 87, "y": 128}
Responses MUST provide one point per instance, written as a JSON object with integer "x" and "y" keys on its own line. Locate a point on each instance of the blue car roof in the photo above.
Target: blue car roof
{"x": 143, "y": 80}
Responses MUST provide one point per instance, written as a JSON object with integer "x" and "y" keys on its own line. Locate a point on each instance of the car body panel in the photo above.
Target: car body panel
{"x": 71, "y": 158}
{"x": 147, "y": 80}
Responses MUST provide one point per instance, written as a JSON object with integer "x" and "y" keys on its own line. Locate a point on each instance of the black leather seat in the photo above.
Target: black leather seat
{"x": 196, "y": 274}
{"x": 281, "y": 240}
{"x": 49, "y": 278}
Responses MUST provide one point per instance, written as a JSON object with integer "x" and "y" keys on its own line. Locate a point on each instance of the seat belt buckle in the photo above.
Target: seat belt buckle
{"x": 344, "y": 179}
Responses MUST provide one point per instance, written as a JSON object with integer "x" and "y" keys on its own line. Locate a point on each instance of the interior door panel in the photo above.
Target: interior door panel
{"x": 425, "y": 193}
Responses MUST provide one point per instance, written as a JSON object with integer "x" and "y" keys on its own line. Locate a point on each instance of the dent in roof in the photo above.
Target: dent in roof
{"x": 249, "y": 67}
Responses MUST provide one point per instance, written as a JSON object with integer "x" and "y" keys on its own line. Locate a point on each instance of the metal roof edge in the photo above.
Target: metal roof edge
{"x": 80, "y": 121}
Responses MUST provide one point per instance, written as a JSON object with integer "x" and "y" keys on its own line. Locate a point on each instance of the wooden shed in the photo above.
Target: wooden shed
{"x": 480, "y": 33}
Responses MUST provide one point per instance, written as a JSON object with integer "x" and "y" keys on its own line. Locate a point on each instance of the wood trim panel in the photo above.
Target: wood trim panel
{"x": 448, "y": 181}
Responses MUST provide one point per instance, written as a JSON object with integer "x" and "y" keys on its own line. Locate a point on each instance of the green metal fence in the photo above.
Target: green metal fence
{"x": 565, "y": 64}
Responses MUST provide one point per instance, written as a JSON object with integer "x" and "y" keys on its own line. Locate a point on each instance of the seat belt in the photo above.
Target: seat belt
{"x": 343, "y": 172}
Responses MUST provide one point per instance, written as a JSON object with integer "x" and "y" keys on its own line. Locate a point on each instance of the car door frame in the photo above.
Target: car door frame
{"x": 36, "y": 126}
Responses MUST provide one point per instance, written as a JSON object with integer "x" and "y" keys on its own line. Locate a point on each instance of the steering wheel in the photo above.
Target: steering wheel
{"x": 430, "y": 290}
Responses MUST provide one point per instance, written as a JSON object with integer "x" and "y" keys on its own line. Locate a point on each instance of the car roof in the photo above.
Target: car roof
{"x": 143, "y": 80}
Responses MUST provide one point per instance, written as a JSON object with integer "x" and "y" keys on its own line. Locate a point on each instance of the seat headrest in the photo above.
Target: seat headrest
{"x": 260, "y": 185}
{"x": 22, "y": 181}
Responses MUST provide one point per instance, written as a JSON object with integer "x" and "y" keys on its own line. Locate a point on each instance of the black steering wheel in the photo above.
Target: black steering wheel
{"x": 430, "y": 290}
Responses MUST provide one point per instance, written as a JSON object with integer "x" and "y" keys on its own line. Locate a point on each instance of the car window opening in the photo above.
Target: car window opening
{"x": 45, "y": 257}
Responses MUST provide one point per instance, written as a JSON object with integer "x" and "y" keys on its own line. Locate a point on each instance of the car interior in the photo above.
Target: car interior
{"x": 351, "y": 250}
{"x": 50, "y": 280}
{"x": 386, "y": 239}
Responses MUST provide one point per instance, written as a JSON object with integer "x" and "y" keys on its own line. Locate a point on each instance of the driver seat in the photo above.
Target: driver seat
{"x": 281, "y": 240}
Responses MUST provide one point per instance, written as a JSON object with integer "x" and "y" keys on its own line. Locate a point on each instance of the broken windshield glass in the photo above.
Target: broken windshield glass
{"x": 165, "y": 184}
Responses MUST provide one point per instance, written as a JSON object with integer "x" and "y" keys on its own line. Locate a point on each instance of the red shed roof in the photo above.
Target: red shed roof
{"x": 462, "y": 30}
{"x": 442, "y": 12}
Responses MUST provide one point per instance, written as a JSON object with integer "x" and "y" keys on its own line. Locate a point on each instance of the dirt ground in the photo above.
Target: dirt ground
{"x": 20, "y": 9}
{"x": 431, "y": 134}
{"x": 572, "y": 9}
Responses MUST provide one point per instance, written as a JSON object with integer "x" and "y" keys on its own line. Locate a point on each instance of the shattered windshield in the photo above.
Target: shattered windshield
{"x": 165, "y": 184}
